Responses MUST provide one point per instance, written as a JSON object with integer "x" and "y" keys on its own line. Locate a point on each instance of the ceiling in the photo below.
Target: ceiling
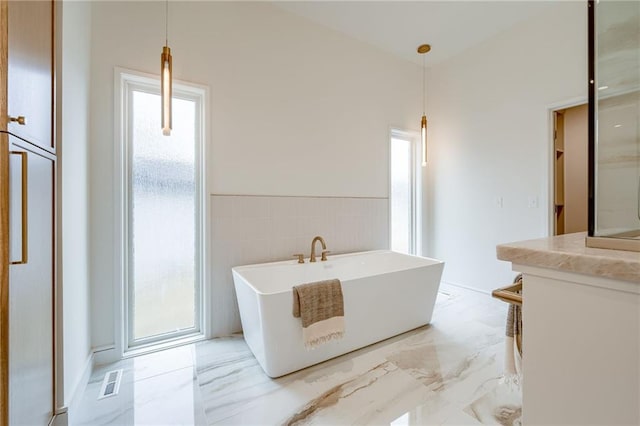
{"x": 399, "y": 27}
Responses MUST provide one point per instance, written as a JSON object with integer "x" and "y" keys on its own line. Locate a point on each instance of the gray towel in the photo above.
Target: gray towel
{"x": 513, "y": 341}
{"x": 514, "y": 320}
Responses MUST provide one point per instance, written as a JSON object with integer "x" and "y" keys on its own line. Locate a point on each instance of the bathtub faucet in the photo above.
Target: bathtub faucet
{"x": 312, "y": 258}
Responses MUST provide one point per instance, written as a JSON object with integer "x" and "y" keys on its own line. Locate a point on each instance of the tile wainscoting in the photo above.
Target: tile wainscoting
{"x": 256, "y": 229}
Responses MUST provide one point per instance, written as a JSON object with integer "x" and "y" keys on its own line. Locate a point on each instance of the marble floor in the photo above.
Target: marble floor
{"x": 447, "y": 373}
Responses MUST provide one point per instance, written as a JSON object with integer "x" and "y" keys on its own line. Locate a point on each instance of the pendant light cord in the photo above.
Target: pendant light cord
{"x": 423, "y": 84}
{"x": 166, "y": 23}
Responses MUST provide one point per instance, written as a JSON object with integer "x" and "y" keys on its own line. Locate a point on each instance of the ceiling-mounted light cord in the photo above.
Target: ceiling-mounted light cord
{"x": 166, "y": 23}
{"x": 423, "y": 85}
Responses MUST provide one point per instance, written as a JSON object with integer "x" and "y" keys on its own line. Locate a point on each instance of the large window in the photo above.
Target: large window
{"x": 404, "y": 193}
{"x": 162, "y": 213}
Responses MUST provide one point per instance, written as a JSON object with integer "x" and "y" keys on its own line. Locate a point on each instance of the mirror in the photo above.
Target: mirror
{"x": 614, "y": 124}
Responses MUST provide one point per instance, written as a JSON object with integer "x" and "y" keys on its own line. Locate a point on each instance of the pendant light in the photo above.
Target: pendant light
{"x": 166, "y": 77}
{"x": 423, "y": 49}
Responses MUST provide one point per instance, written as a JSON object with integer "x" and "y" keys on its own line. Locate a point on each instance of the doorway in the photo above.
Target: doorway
{"x": 570, "y": 154}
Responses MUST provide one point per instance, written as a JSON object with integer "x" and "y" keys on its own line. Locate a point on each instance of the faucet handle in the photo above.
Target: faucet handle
{"x": 324, "y": 255}
{"x": 300, "y": 257}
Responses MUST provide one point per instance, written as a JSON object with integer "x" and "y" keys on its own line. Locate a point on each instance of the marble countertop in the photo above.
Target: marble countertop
{"x": 569, "y": 253}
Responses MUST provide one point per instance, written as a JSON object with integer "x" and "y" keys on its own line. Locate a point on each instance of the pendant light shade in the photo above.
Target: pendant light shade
{"x": 423, "y": 49}
{"x": 166, "y": 77}
{"x": 423, "y": 139}
{"x": 165, "y": 87}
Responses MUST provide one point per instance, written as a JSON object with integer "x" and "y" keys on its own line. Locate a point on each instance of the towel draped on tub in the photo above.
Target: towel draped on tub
{"x": 513, "y": 341}
{"x": 320, "y": 306}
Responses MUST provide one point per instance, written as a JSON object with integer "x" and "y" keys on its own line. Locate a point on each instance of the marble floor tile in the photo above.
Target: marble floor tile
{"x": 171, "y": 398}
{"x": 448, "y": 373}
{"x": 500, "y": 404}
{"x": 375, "y": 396}
{"x": 247, "y": 395}
{"x": 149, "y": 365}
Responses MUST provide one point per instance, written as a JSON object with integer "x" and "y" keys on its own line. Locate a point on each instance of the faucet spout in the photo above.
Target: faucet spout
{"x": 312, "y": 257}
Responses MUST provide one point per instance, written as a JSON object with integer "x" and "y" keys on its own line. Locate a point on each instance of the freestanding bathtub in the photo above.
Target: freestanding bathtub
{"x": 385, "y": 294}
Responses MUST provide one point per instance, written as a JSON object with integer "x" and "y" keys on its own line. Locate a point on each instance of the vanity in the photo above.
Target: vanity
{"x": 581, "y": 292}
{"x": 581, "y": 331}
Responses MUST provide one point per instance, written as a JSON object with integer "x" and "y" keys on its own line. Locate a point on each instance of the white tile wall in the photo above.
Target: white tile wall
{"x": 257, "y": 229}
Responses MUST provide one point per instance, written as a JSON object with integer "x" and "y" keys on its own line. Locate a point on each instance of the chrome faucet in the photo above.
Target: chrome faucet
{"x": 312, "y": 258}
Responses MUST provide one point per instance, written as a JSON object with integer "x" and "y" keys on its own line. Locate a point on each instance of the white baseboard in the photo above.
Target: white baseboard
{"x": 78, "y": 391}
{"x": 105, "y": 355}
{"x": 479, "y": 290}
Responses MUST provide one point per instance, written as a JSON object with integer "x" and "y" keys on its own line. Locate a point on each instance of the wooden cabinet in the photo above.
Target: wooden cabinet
{"x": 27, "y": 173}
{"x": 30, "y": 285}
{"x": 30, "y": 76}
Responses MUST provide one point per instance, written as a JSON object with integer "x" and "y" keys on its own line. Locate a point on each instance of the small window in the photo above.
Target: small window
{"x": 404, "y": 194}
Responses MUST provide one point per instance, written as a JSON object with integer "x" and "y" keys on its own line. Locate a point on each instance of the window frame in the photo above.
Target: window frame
{"x": 127, "y": 81}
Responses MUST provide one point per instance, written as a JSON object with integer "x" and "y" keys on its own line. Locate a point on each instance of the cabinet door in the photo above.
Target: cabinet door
{"x": 30, "y": 71}
{"x": 31, "y": 290}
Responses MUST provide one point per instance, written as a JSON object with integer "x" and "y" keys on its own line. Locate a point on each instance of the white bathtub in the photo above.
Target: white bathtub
{"x": 385, "y": 294}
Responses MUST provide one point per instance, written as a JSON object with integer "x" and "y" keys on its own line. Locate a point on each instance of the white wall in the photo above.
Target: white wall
{"x": 73, "y": 205}
{"x": 296, "y": 109}
{"x": 488, "y": 111}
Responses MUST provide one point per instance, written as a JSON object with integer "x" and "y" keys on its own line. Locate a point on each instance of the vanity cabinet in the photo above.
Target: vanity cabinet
{"x": 581, "y": 331}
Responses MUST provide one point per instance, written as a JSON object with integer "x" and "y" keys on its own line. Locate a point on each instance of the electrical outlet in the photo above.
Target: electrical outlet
{"x": 498, "y": 201}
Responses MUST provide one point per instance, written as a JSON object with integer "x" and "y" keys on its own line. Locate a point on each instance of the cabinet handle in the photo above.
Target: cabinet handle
{"x": 25, "y": 241}
{"x": 21, "y": 120}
